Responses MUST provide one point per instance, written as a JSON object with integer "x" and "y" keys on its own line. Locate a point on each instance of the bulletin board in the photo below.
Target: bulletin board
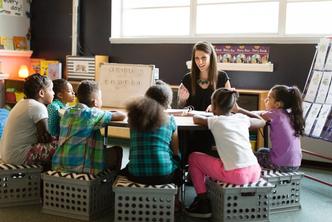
{"x": 120, "y": 83}
{"x": 317, "y": 105}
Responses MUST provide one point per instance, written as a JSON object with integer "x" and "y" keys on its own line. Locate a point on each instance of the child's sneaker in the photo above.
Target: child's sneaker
{"x": 200, "y": 208}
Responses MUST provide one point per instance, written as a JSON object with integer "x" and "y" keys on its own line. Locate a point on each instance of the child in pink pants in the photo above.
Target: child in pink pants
{"x": 237, "y": 163}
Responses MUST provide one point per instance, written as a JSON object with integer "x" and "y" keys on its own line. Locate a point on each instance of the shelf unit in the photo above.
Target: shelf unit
{"x": 251, "y": 99}
{"x": 16, "y": 53}
{"x": 247, "y": 67}
{"x": 17, "y": 84}
{"x": 11, "y": 60}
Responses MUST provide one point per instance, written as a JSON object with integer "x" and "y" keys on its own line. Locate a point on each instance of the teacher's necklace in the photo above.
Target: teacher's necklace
{"x": 203, "y": 81}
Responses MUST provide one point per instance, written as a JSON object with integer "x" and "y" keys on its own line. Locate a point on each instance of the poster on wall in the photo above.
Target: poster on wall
{"x": 242, "y": 53}
{"x": 11, "y": 7}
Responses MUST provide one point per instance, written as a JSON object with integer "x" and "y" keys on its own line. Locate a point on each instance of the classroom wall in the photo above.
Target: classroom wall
{"x": 11, "y": 25}
{"x": 51, "y": 39}
{"x": 51, "y": 28}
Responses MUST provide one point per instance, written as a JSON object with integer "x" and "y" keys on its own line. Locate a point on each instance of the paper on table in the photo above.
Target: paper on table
{"x": 187, "y": 112}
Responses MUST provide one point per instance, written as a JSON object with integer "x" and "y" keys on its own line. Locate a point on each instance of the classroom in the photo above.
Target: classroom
{"x": 256, "y": 47}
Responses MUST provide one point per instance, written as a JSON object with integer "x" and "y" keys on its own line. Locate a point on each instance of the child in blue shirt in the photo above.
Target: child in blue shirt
{"x": 63, "y": 94}
{"x": 153, "y": 138}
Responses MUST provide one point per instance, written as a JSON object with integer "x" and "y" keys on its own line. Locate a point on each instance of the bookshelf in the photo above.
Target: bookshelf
{"x": 250, "y": 99}
{"x": 11, "y": 60}
{"x": 16, "y": 53}
{"x": 11, "y": 97}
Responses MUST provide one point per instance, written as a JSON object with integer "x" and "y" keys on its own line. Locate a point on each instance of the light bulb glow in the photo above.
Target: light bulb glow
{"x": 23, "y": 71}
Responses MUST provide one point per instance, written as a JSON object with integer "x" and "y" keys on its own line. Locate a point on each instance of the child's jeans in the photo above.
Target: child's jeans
{"x": 202, "y": 165}
{"x": 264, "y": 160}
{"x": 41, "y": 153}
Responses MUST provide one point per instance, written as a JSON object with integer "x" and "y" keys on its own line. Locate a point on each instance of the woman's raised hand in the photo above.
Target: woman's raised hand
{"x": 183, "y": 93}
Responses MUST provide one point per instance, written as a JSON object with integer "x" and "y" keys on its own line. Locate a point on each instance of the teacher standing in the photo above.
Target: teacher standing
{"x": 198, "y": 85}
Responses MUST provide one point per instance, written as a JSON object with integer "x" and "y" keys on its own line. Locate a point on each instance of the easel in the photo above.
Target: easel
{"x": 321, "y": 63}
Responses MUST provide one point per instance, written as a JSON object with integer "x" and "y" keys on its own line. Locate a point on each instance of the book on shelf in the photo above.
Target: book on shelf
{"x": 44, "y": 66}
{"x": 35, "y": 65}
{"x": 7, "y": 42}
{"x": 20, "y": 43}
{"x": 55, "y": 71}
{"x": 4, "y": 75}
{"x": 51, "y": 68}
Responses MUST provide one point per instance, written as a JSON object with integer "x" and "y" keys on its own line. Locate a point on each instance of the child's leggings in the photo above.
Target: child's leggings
{"x": 202, "y": 165}
{"x": 41, "y": 153}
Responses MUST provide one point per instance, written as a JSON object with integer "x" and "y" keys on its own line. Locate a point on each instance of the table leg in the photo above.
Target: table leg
{"x": 183, "y": 142}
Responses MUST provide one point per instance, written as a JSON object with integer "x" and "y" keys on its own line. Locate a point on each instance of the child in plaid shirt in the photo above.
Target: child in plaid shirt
{"x": 81, "y": 146}
{"x": 153, "y": 138}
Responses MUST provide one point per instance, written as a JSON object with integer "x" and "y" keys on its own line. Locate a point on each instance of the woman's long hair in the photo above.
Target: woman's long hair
{"x": 213, "y": 71}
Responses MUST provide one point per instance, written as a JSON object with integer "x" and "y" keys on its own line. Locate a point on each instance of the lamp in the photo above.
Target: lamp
{"x": 23, "y": 72}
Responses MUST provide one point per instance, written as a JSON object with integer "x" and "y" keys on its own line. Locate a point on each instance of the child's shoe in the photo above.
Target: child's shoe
{"x": 199, "y": 208}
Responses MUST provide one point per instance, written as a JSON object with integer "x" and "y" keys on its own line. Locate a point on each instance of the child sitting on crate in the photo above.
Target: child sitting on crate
{"x": 25, "y": 138}
{"x": 236, "y": 163}
{"x": 153, "y": 138}
{"x": 285, "y": 114}
{"x": 63, "y": 94}
{"x": 81, "y": 147}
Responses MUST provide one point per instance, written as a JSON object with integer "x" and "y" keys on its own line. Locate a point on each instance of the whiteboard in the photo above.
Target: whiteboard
{"x": 119, "y": 83}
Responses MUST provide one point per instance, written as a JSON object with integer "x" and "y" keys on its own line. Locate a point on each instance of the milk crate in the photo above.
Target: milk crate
{"x": 19, "y": 185}
{"x": 140, "y": 202}
{"x": 285, "y": 195}
{"x": 80, "y": 196}
{"x": 233, "y": 203}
